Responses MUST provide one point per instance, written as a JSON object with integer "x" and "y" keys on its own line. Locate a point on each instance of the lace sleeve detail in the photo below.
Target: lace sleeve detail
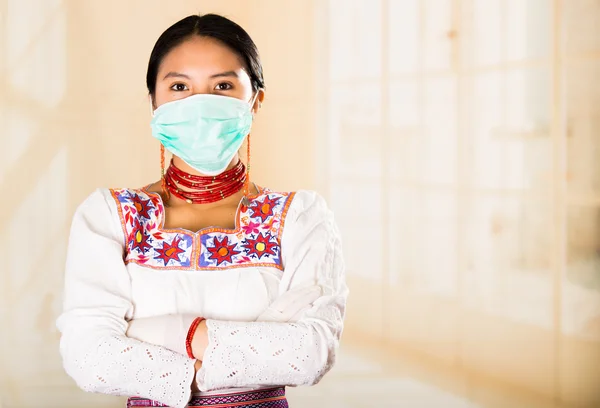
{"x": 118, "y": 365}
{"x": 95, "y": 351}
{"x": 241, "y": 354}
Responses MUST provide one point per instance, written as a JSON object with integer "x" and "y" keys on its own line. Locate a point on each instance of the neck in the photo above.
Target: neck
{"x": 180, "y": 164}
{"x": 197, "y": 188}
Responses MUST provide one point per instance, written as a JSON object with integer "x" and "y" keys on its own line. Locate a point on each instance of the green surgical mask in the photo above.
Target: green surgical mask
{"x": 203, "y": 130}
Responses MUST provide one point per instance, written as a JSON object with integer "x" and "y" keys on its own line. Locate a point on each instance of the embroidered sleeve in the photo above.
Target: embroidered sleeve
{"x": 95, "y": 351}
{"x": 241, "y": 354}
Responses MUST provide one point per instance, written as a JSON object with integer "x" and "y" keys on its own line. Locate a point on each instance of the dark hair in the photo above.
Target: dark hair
{"x": 208, "y": 25}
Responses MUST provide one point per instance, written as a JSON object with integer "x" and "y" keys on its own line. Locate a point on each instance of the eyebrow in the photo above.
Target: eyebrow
{"x": 175, "y": 74}
{"x": 225, "y": 74}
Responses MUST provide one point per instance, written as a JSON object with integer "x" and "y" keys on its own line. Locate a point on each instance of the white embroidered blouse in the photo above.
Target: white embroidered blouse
{"x": 123, "y": 265}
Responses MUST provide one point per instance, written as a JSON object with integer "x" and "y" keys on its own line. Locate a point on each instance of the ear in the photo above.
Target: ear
{"x": 260, "y": 97}
{"x": 152, "y": 106}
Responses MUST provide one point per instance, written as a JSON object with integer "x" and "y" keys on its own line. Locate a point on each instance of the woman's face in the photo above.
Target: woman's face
{"x": 202, "y": 65}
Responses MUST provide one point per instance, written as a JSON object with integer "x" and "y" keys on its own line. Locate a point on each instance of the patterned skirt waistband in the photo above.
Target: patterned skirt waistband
{"x": 264, "y": 398}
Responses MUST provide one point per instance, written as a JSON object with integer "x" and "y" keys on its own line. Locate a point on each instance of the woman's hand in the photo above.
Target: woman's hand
{"x": 197, "y": 366}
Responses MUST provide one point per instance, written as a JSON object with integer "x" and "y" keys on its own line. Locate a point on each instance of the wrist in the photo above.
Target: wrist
{"x": 199, "y": 341}
{"x": 190, "y": 336}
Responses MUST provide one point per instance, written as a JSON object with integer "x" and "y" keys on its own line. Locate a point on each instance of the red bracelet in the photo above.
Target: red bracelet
{"x": 190, "y": 336}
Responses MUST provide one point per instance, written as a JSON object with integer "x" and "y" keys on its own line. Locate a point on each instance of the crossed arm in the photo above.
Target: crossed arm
{"x": 171, "y": 331}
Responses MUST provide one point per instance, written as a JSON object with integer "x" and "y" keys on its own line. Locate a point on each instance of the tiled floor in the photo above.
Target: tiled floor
{"x": 364, "y": 379}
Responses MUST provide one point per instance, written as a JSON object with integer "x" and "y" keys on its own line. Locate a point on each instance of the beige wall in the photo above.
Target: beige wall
{"x": 75, "y": 116}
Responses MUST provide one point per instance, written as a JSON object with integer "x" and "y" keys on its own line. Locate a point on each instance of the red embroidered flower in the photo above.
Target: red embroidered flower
{"x": 259, "y": 246}
{"x": 142, "y": 206}
{"x": 264, "y": 209}
{"x": 170, "y": 251}
{"x": 222, "y": 250}
{"x": 139, "y": 238}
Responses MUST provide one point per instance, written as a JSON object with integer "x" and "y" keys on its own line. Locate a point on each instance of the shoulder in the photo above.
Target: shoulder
{"x": 119, "y": 204}
{"x": 99, "y": 201}
{"x": 309, "y": 202}
{"x": 116, "y": 197}
{"x": 130, "y": 195}
{"x": 137, "y": 203}
{"x": 301, "y": 204}
{"x": 309, "y": 224}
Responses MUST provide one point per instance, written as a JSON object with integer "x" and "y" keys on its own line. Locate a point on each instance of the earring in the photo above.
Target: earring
{"x": 245, "y": 200}
{"x": 163, "y": 180}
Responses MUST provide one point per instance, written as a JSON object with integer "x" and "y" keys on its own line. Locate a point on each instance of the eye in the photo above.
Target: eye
{"x": 223, "y": 86}
{"x": 179, "y": 87}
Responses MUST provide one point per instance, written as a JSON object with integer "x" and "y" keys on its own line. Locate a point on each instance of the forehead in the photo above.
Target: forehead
{"x": 201, "y": 54}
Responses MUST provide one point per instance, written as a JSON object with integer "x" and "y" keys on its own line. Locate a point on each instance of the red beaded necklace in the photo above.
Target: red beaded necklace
{"x": 205, "y": 189}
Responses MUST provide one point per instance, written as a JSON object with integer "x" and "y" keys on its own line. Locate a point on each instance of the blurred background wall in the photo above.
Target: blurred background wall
{"x": 457, "y": 141}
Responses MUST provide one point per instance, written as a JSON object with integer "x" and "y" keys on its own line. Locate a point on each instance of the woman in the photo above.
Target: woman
{"x": 202, "y": 288}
